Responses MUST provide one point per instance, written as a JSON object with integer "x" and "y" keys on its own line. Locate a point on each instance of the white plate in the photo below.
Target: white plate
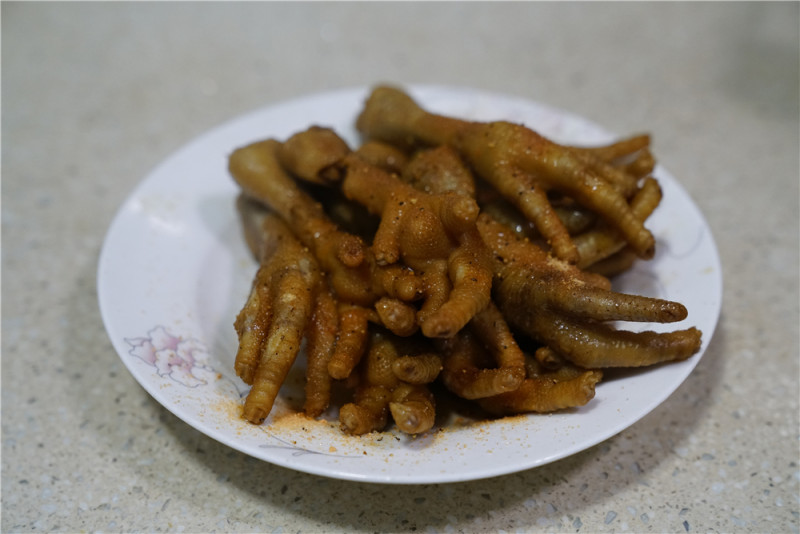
{"x": 174, "y": 272}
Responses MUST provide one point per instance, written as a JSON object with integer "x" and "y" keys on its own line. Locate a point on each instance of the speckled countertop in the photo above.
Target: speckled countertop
{"x": 95, "y": 95}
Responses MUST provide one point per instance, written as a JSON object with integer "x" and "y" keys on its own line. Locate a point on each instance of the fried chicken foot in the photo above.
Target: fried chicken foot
{"x": 398, "y": 316}
{"x": 314, "y": 155}
{"x": 368, "y": 412}
{"x": 258, "y": 172}
{"x": 440, "y": 271}
{"x": 381, "y": 393}
{"x": 595, "y": 345}
{"x": 549, "y": 386}
{"x": 351, "y": 342}
{"x": 272, "y": 323}
{"x": 544, "y": 395}
{"x": 250, "y": 327}
{"x": 604, "y": 241}
{"x": 491, "y": 327}
{"x": 321, "y": 341}
{"x": 433, "y": 234}
{"x": 439, "y": 170}
{"x": 517, "y": 161}
{"x": 413, "y": 408}
{"x": 548, "y": 300}
{"x": 419, "y": 368}
{"x": 618, "y": 150}
{"x": 469, "y": 373}
{"x": 528, "y": 280}
{"x": 632, "y": 155}
{"x": 353, "y": 274}
{"x": 575, "y": 219}
{"x": 384, "y": 155}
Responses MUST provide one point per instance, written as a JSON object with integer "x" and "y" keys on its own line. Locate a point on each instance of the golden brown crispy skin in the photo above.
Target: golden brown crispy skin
{"x": 575, "y": 218}
{"x": 529, "y": 196}
{"x": 552, "y": 302}
{"x": 604, "y": 241}
{"x": 411, "y": 405}
{"x": 258, "y": 172}
{"x": 439, "y": 170}
{"x": 252, "y": 321}
{"x": 398, "y": 316}
{"x": 418, "y": 369}
{"x": 483, "y": 359}
{"x": 623, "y": 149}
{"x": 383, "y": 352}
{"x": 433, "y": 234}
{"x": 548, "y": 363}
{"x": 451, "y": 270}
{"x": 520, "y": 163}
{"x": 468, "y": 371}
{"x": 642, "y": 166}
{"x": 492, "y": 329}
{"x": 618, "y": 178}
{"x": 553, "y": 385}
{"x": 529, "y": 280}
{"x": 286, "y": 282}
{"x": 631, "y": 155}
{"x": 413, "y": 408}
{"x": 384, "y": 155}
{"x": 353, "y": 274}
{"x": 368, "y": 412}
{"x": 548, "y": 290}
{"x": 544, "y": 395}
{"x": 313, "y": 155}
{"x": 390, "y": 115}
{"x": 595, "y": 345}
{"x": 529, "y": 155}
{"x": 322, "y": 333}
{"x": 351, "y": 341}
{"x": 251, "y": 327}
{"x": 260, "y": 175}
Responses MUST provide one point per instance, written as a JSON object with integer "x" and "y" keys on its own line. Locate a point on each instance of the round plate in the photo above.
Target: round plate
{"x": 174, "y": 272}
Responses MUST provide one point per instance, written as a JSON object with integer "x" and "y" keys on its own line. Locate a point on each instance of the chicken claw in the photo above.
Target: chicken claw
{"x": 258, "y": 172}
{"x": 433, "y": 234}
{"x": 273, "y": 321}
{"x": 345, "y": 258}
{"x": 563, "y": 307}
{"x": 521, "y": 164}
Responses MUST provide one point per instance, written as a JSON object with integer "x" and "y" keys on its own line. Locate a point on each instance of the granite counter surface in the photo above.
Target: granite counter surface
{"x": 95, "y": 95}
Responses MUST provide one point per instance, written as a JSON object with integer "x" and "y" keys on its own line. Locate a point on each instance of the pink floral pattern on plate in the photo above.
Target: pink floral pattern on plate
{"x": 183, "y": 360}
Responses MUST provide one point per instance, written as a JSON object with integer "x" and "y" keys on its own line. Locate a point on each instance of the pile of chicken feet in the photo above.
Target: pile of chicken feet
{"x": 443, "y": 254}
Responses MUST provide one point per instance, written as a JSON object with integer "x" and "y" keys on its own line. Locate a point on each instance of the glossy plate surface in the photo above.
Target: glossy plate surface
{"x": 174, "y": 272}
